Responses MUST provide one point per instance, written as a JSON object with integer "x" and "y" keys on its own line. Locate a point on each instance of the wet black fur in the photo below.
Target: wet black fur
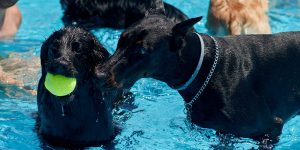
{"x": 113, "y": 13}
{"x": 87, "y": 118}
{"x": 254, "y": 90}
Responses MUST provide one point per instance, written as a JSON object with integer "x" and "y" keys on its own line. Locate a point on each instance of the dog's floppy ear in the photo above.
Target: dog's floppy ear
{"x": 179, "y": 32}
{"x": 156, "y": 8}
{"x": 44, "y": 54}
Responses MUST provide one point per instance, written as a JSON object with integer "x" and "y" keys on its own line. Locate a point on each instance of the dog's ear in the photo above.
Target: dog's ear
{"x": 179, "y": 32}
{"x": 156, "y": 8}
{"x": 184, "y": 27}
{"x": 44, "y": 54}
{"x": 100, "y": 53}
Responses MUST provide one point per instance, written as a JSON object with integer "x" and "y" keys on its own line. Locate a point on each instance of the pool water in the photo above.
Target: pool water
{"x": 157, "y": 121}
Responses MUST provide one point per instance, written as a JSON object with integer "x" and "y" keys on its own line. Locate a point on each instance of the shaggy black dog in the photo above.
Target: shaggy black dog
{"x": 82, "y": 118}
{"x": 247, "y": 85}
{"x": 113, "y": 13}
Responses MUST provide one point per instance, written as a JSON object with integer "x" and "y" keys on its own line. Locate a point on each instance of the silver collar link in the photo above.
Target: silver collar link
{"x": 189, "y": 105}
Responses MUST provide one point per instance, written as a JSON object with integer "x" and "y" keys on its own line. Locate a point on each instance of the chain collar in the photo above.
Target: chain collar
{"x": 189, "y": 105}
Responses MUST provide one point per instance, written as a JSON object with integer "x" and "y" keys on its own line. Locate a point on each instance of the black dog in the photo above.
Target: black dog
{"x": 113, "y": 13}
{"x": 82, "y": 118}
{"x": 253, "y": 84}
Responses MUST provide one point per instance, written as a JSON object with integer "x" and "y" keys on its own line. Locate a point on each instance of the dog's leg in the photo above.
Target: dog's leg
{"x": 235, "y": 28}
{"x": 226, "y": 141}
{"x": 268, "y": 141}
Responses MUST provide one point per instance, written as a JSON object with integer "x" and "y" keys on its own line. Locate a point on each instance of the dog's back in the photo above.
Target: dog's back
{"x": 238, "y": 17}
{"x": 259, "y": 75}
{"x": 115, "y": 14}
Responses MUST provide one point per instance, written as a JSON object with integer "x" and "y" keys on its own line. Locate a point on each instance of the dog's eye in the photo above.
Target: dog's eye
{"x": 141, "y": 50}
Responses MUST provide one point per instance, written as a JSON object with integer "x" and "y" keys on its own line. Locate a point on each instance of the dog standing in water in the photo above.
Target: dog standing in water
{"x": 237, "y": 17}
{"x": 82, "y": 117}
{"x": 113, "y": 13}
{"x": 246, "y": 85}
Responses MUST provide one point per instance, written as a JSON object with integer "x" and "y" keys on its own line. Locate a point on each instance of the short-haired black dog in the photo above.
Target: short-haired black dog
{"x": 113, "y": 13}
{"x": 82, "y": 118}
{"x": 250, "y": 84}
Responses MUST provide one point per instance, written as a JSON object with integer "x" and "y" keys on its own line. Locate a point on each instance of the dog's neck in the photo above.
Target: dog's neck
{"x": 187, "y": 61}
{"x": 209, "y": 57}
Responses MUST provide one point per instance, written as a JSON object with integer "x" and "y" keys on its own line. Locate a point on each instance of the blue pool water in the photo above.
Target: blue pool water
{"x": 158, "y": 120}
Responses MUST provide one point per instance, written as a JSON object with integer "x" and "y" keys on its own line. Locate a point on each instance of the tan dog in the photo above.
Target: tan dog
{"x": 238, "y": 17}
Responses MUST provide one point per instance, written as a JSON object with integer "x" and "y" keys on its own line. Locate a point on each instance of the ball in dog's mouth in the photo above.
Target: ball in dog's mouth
{"x": 59, "y": 85}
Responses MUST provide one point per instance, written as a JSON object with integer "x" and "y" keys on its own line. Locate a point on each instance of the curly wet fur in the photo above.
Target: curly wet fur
{"x": 113, "y": 13}
{"x": 82, "y": 118}
{"x": 237, "y": 17}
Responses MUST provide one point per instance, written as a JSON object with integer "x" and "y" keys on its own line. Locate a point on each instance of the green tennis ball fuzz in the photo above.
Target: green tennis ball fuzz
{"x": 59, "y": 85}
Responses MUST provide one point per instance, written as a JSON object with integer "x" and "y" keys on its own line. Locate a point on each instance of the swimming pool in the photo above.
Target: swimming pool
{"x": 158, "y": 120}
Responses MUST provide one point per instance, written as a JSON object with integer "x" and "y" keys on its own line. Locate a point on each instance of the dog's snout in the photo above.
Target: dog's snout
{"x": 61, "y": 66}
{"x": 102, "y": 75}
{"x": 58, "y": 68}
{"x": 106, "y": 80}
{"x": 102, "y": 79}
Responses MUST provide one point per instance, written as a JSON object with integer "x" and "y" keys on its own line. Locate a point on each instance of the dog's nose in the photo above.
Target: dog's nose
{"x": 60, "y": 67}
{"x": 102, "y": 79}
{"x": 101, "y": 75}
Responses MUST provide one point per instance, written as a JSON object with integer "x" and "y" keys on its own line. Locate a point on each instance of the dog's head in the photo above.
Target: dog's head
{"x": 83, "y": 117}
{"x": 72, "y": 52}
{"x": 150, "y": 48}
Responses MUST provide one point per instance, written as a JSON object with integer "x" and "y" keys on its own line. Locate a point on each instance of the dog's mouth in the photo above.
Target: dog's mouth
{"x": 116, "y": 81}
{"x": 62, "y": 68}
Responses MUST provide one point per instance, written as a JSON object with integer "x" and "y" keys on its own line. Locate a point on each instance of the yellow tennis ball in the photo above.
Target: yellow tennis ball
{"x": 59, "y": 85}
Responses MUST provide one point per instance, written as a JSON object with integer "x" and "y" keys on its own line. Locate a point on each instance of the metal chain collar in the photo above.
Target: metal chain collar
{"x": 189, "y": 105}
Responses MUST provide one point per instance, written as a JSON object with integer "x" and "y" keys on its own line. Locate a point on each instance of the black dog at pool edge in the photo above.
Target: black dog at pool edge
{"x": 82, "y": 118}
{"x": 253, "y": 91}
{"x": 113, "y": 13}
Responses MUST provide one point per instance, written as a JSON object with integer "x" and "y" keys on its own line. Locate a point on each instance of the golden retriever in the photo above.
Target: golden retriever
{"x": 237, "y": 17}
